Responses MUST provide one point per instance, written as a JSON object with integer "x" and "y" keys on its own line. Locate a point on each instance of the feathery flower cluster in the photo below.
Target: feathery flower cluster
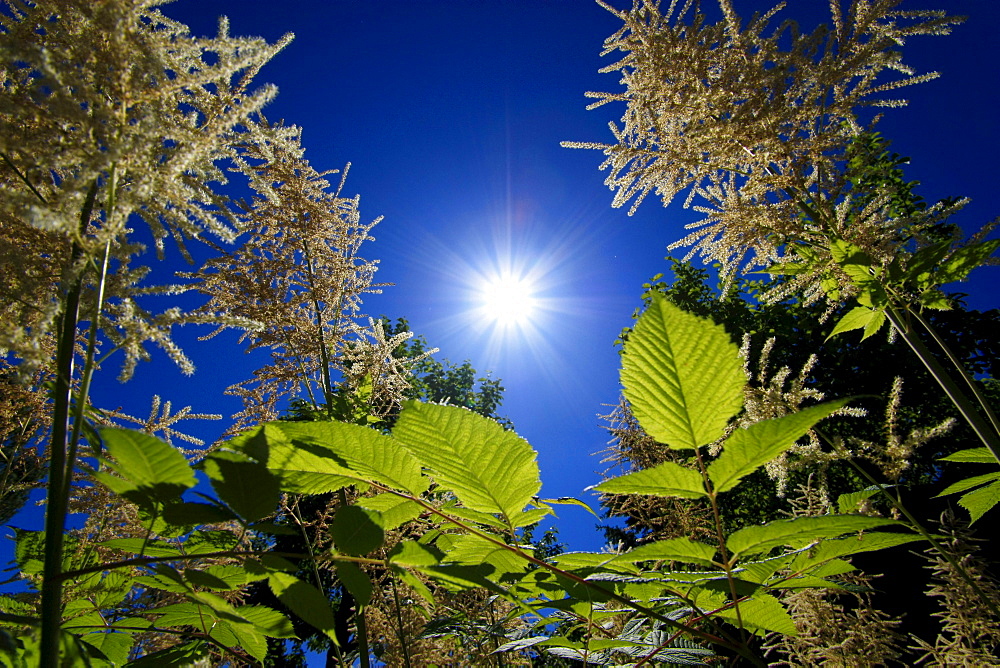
{"x": 748, "y": 117}
{"x": 298, "y": 273}
{"x": 109, "y": 111}
{"x": 767, "y": 396}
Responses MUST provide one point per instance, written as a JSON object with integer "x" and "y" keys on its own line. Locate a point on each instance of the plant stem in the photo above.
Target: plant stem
{"x": 60, "y": 468}
{"x": 953, "y": 358}
{"x": 989, "y": 437}
{"x": 928, "y": 536}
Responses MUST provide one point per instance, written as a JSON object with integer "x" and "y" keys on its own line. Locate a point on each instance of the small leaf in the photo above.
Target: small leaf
{"x": 969, "y": 483}
{"x": 355, "y": 530}
{"x": 682, "y": 376}
{"x": 570, "y": 501}
{"x": 146, "y": 461}
{"x": 305, "y": 601}
{"x": 972, "y": 455}
{"x": 668, "y": 479}
{"x": 981, "y": 500}
{"x": 848, "y": 503}
{"x": 356, "y": 581}
{"x": 857, "y": 318}
{"x": 748, "y": 449}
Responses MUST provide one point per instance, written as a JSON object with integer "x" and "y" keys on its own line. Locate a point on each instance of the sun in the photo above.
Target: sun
{"x": 508, "y": 300}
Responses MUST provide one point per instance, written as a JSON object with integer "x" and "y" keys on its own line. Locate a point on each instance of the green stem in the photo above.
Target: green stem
{"x": 59, "y": 468}
{"x": 989, "y": 437}
{"x": 928, "y": 536}
{"x": 399, "y": 622}
{"x": 720, "y": 536}
{"x": 737, "y": 647}
{"x": 953, "y": 358}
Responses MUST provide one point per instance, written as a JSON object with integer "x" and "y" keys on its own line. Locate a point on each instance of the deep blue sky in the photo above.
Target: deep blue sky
{"x": 452, "y": 111}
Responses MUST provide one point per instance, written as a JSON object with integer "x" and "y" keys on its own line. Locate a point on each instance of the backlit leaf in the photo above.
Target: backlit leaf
{"x": 681, "y": 549}
{"x": 489, "y": 469}
{"x": 667, "y": 479}
{"x": 981, "y": 500}
{"x": 682, "y": 376}
{"x": 355, "y": 530}
{"x": 972, "y": 455}
{"x": 305, "y": 601}
{"x": 146, "y": 461}
{"x": 748, "y": 449}
{"x": 799, "y": 532}
{"x": 370, "y": 455}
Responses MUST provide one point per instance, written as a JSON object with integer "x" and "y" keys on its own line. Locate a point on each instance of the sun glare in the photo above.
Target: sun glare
{"x": 509, "y": 300}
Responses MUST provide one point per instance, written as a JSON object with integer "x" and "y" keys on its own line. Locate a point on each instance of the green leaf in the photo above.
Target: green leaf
{"x": 190, "y": 514}
{"x": 471, "y": 550}
{"x": 146, "y": 461}
{"x": 972, "y": 455}
{"x": 356, "y": 581}
{"x": 149, "y": 548}
{"x": 268, "y": 621}
{"x": 763, "y": 614}
{"x": 848, "y": 503}
{"x": 355, "y": 530}
{"x": 115, "y": 646}
{"x": 969, "y": 483}
{"x": 302, "y": 468}
{"x": 245, "y": 486}
{"x": 368, "y": 454}
{"x": 681, "y": 549}
{"x": 489, "y": 469}
{"x": 410, "y": 553}
{"x": 829, "y": 550}
{"x": 964, "y": 260}
{"x": 799, "y": 532}
{"x": 857, "y": 318}
{"x": 305, "y": 601}
{"x": 178, "y": 656}
{"x": 569, "y": 501}
{"x": 979, "y": 501}
{"x": 748, "y": 449}
{"x": 666, "y": 479}
{"x": 395, "y": 510}
{"x": 682, "y": 376}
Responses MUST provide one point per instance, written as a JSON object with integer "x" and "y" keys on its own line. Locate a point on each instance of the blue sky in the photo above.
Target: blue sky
{"x": 451, "y": 113}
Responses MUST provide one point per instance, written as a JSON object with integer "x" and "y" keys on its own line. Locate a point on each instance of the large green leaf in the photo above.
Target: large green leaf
{"x": 488, "y": 468}
{"x": 843, "y": 547}
{"x": 145, "y": 461}
{"x": 977, "y": 502}
{"x": 666, "y": 479}
{"x": 356, "y": 531}
{"x": 371, "y": 455}
{"x": 763, "y": 614}
{"x": 799, "y": 532}
{"x": 303, "y": 468}
{"x": 244, "y": 485}
{"x": 305, "y": 601}
{"x": 748, "y": 449}
{"x": 972, "y": 455}
{"x": 682, "y": 376}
